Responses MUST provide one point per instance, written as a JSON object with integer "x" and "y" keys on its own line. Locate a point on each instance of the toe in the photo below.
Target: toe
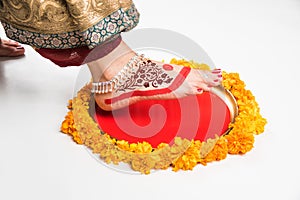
{"x": 204, "y": 87}
{"x": 199, "y": 91}
{"x": 216, "y": 76}
{"x": 216, "y": 71}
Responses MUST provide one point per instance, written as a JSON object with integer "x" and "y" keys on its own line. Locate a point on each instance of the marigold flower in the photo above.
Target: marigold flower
{"x": 190, "y": 64}
{"x": 190, "y": 157}
{"x": 239, "y": 142}
{"x": 219, "y": 152}
{"x": 68, "y": 127}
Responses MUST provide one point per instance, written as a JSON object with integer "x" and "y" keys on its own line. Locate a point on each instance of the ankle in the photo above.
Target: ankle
{"x": 117, "y": 65}
{"x": 106, "y": 68}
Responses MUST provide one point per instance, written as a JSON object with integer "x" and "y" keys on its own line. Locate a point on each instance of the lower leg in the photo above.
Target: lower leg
{"x": 106, "y": 67}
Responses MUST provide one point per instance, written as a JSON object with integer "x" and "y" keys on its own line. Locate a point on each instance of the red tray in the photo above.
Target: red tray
{"x": 160, "y": 121}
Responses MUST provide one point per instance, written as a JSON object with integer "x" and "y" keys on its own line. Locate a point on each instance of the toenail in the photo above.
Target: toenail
{"x": 200, "y": 90}
{"x": 220, "y": 76}
{"x": 216, "y": 80}
{"x": 167, "y": 67}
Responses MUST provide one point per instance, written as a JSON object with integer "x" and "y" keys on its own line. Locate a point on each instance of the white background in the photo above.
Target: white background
{"x": 260, "y": 39}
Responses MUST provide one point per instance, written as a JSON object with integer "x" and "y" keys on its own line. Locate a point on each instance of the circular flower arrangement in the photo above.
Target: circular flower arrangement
{"x": 183, "y": 154}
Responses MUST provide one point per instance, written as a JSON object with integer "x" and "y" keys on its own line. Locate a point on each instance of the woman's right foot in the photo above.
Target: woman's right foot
{"x": 10, "y": 48}
{"x": 147, "y": 79}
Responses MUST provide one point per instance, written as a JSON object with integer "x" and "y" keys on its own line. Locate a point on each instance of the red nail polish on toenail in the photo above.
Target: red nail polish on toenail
{"x": 216, "y": 80}
{"x": 200, "y": 90}
{"x": 167, "y": 67}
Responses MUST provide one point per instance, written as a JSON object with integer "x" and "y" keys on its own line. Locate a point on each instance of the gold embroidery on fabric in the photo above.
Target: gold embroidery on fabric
{"x": 58, "y": 16}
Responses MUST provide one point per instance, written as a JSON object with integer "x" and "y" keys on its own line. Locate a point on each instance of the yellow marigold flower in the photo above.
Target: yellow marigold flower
{"x": 124, "y": 145}
{"x": 143, "y": 147}
{"x": 191, "y": 64}
{"x": 133, "y": 147}
{"x": 142, "y": 163}
{"x": 162, "y": 145}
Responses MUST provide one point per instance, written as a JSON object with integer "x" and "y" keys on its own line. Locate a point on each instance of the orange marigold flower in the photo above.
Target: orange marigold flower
{"x": 190, "y": 157}
{"x": 219, "y": 152}
{"x": 239, "y": 142}
{"x": 68, "y": 127}
{"x": 70, "y": 102}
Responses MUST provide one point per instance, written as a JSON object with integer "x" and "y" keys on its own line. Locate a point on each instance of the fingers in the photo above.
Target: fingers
{"x": 11, "y": 43}
{"x": 11, "y": 51}
{"x": 19, "y": 51}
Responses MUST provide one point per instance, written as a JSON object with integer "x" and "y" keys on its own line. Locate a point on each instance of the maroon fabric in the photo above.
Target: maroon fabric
{"x": 79, "y": 55}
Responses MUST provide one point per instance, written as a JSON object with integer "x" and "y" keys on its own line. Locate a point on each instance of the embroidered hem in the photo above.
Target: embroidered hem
{"x": 105, "y": 29}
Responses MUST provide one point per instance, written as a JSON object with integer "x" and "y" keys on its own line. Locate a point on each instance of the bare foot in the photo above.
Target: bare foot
{"x": 132, "y": 78}
{"x": 10, "y": 48}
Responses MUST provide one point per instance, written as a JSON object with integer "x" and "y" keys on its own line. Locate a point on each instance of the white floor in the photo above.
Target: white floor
{"x": 258, "y": 39}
